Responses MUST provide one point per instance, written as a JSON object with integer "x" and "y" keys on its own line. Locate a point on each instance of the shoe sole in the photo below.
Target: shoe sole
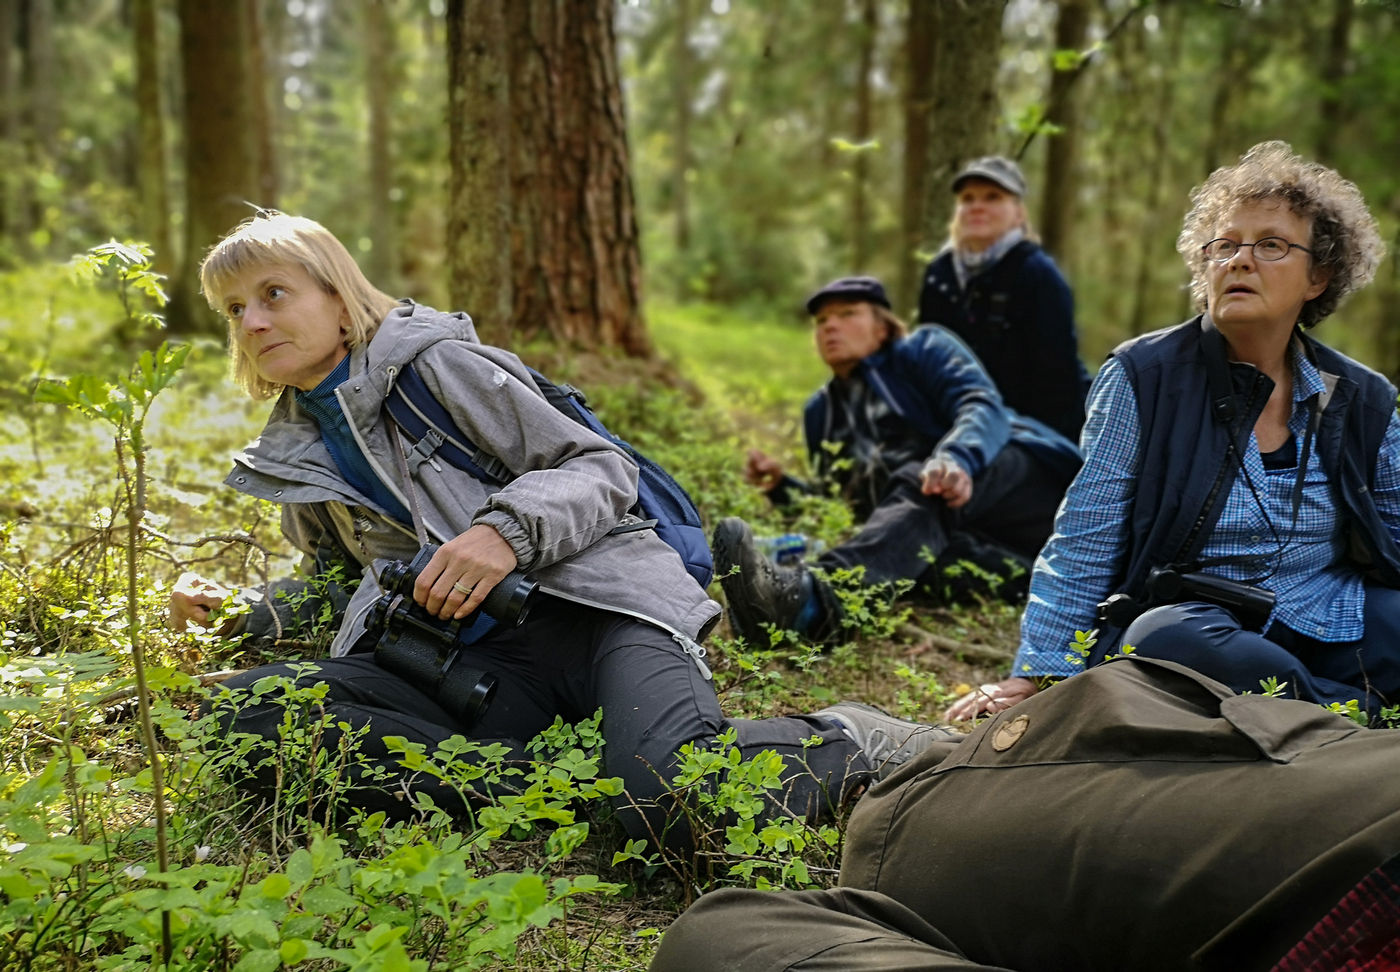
{"x": 742, "y": 621}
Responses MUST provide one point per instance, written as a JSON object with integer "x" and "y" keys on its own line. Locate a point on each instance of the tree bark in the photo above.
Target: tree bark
{"x": 1331, "y": 108}
{"x": 41, "y": 116}
{"x": 918, "y": 104}
{"x": 40, "y": 82}
{"x": 479, "y": 230}
{"x": 864, "y": 123}
{"x": 220, "y": 146}
{"x": 576, "y": 257}
{"x": 152, "y": 170}
{"x": 1149, "y": 245}
{"x": 381, "y": 81}
{"x": 267, "y": 181}
{"x": 963, "y": 112}
{"x": 1062, "y": 151}
{"x": 681, "y": 70}
{"x": 12, "y": 223}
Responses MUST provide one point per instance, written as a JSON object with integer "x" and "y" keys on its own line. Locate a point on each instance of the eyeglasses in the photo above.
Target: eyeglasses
{"x": 1269, "y": 249}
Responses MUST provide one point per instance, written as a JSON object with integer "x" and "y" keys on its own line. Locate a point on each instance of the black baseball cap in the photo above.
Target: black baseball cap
{"x": 996, "y": 169}
{"x": 867, "y": 289}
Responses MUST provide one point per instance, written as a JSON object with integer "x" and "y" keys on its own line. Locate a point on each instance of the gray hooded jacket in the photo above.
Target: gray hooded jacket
{"x": 572, "y": 486}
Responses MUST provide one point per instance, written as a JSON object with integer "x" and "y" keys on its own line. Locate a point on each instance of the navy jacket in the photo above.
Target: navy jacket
{"x": 1018, "y": 318}
{"x": 1190, "y": 398}
{"x": 935, "y": 383}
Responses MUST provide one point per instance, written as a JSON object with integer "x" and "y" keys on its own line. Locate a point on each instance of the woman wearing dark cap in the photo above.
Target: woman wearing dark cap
{"x": 914, "y": 437}
{"x": 995, "y": 288}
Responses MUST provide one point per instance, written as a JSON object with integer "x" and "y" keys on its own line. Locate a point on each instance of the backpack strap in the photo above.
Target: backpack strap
{"x": 412, "y": 404}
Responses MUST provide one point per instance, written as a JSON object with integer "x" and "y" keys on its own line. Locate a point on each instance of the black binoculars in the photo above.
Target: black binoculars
{"x": 1251, "y": 605}
{"x": 423, "y": 649}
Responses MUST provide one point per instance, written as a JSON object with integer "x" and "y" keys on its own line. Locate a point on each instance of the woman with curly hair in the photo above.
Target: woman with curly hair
{"x": 1238, "y": 510}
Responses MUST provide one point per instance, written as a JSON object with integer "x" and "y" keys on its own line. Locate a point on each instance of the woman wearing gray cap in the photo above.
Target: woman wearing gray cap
{"x": 995, "y": 288}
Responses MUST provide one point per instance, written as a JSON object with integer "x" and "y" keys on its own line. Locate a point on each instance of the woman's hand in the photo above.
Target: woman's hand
{"x": 762, "y": 470}
{"x": 462, "y": 573}
{"x": 941, "y": 476}
{"x": 991, "y": 698}
{"x": 194, "y": 599}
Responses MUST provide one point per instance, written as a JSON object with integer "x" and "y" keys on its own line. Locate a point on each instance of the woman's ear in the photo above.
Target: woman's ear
{"x": 1320, "y": 278}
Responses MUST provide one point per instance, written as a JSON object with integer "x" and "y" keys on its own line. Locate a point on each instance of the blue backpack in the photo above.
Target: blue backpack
{"x": 661, "y": 501}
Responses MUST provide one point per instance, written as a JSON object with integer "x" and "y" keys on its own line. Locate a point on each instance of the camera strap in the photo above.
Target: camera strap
{"x": 1226, "y": 409}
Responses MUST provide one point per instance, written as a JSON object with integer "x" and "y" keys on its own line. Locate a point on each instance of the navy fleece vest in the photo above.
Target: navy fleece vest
{"x": 1187, "y": 471}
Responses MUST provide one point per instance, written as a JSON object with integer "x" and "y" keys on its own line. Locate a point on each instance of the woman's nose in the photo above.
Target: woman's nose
{"x": 1243, "y": 255}
{"x": 252, "y": 320}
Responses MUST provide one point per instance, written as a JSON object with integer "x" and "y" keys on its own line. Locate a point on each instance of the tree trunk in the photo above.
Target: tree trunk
{"x": 479, "y": 229}
{"x": 267, "y": 181}
{"x": 152, "y": 171}
{"x": 1149, "y": 245}
{"x": 40, "y": 87}
{"x": 40, "y": 82}
{"x": 860, "y": 170}
{"x": 918, "y": 105}
{"x": 681, "y": 69}
{"x": 1062, "y": 152}
{"x": 576, "y": 254}
{"x": 964, "y": 112}
{"x": 381, "y": 80}
{"x": 1330, "y": 106}
{"x": 220, "y": 146}
{"x": 12, "y": 223}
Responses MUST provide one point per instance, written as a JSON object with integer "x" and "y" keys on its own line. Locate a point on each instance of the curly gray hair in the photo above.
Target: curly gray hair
{"x": 1345, "y": 242}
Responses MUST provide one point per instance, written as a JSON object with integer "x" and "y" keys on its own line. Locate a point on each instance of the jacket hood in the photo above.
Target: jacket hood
{"x": 410, "y": 328}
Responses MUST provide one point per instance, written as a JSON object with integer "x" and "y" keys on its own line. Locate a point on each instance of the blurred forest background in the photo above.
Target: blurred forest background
{"x": 729, "y": 152}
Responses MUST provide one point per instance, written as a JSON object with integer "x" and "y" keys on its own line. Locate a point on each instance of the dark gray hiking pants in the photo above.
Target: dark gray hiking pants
{"x": 1136, "y": 816}
{"x": 568, "y": 661}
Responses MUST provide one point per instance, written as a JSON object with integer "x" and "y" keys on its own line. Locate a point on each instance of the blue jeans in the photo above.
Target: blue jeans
{"x": 1210, "y": 640}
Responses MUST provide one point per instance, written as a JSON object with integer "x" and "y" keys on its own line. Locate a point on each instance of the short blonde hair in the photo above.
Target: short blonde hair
{"x": 276, "y": 239}
{"x": 1345, "y": 241}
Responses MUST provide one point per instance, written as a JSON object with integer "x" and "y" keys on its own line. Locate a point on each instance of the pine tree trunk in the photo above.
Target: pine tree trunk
{"x": 864, "y": 123}
{"x": 267, "y": 182}
{"x": 1331, "y": 109}
{"x": 918, "y": 104}
{"x": 1062, "y": 151}
{"x": 152, "y": 171}
{"x": 963, "y": 112}
{"x": 221, "y": 152}
{"x": 479, "y": 225}
{"x": 381, "y": 82}
{"x": 576, "y": 253}
{"x": 12, "y": 222}
{"x": 41, "y": 93}
{"x": 1146, "y": 314}
{"x": 681, "y": 90}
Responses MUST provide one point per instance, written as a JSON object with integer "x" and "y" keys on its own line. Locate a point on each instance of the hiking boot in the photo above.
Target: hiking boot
{"x": 887, "y": 742}
{"x": 760, "y": 592}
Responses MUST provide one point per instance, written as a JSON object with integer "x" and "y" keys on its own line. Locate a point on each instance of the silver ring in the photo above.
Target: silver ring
{"x": 464, "y": 591}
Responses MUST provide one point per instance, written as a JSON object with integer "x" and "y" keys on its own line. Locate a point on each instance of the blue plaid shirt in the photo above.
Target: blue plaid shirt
{"x": 1082, "y": 562}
